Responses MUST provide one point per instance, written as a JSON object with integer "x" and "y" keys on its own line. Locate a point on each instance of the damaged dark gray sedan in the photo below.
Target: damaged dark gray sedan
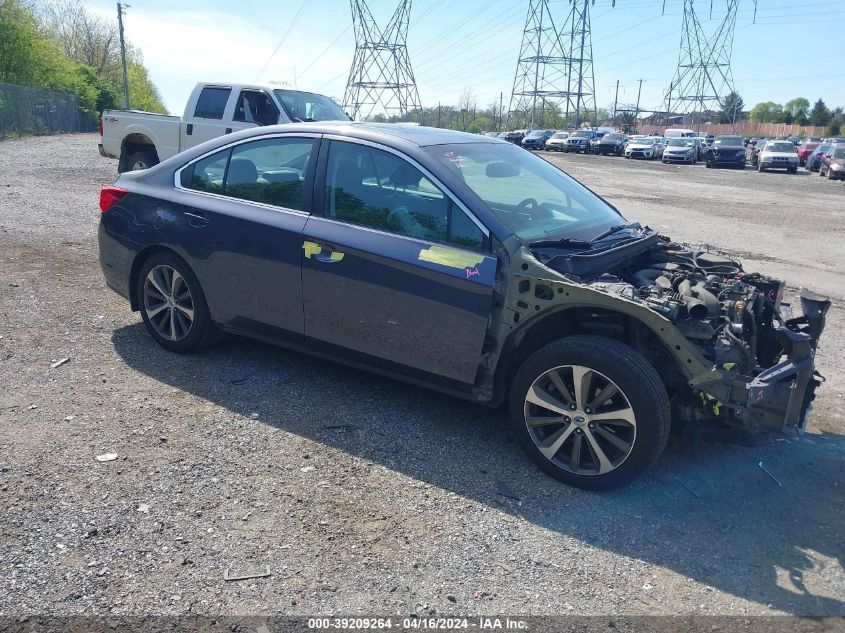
{"x": 468, "y": 265}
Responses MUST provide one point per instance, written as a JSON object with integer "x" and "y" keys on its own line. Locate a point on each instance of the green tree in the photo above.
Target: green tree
{"x": 767, "y": 112}
{"x": 732, "y": 106}
{"x": 820, "y": 115}
{"x": 796, "y": 110}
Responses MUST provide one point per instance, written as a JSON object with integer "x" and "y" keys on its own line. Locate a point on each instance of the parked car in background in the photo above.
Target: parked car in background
{"x": 556, "y": 142}
{"x": 833, "y": 162}
{"x": 727, "y": 151}
{"x": 778, "y": 155}
{"x": 467, "y": 265}
{"x": 681, "y": 150}
{"x": 516, "y": 136}
{"x": 813, "y": 139}
{"x": 645, "y": 147}
{"x": 674, "y": 132}
{"x": 580, "y": 141}
{"x": 805, "y": 150}
{"x": 139, "y": 140}
{"x": 814, "y": 160}
{"x": 537, "y": 139}
{"x": 752, "y": 151}
{"x": 611, "y": 144}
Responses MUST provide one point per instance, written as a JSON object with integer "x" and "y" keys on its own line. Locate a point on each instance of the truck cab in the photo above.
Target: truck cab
{"x": 143, "y": 139}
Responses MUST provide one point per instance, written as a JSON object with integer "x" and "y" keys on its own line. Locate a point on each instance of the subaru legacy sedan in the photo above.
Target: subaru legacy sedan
{"x": 465, "y": 264}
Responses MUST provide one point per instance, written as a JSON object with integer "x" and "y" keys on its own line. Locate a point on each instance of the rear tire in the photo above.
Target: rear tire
{"x": 613, "y": 379}
{"x": 143, "y": 159}
{"x": 173, "y": 305}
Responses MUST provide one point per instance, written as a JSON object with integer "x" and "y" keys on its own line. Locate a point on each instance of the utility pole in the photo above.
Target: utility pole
{"x": 438, "y": 114}
{"x": 615, "y": 101}
{"x": 637, "y": 113}
{"x": 120, "y": 7}
{"x": 501, "y": 112}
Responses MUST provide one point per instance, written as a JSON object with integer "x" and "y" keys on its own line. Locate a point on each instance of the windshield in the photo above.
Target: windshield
{"x": 821, "y": 149}
{"x": 532, "y": 197}
{"x": 681, "y": 142}
{"x": 727, "y": 140}
{"x": 642, "y": 141}
{"x": 307, "y": 106}
{"x": 560, "y": 135}
{"x": 780, "y": 147}
{"x": 583, "y": 134}
{"x": 612, "y": 137}
{"x": 536, "y": 134}
{"x": 839, "y": 152}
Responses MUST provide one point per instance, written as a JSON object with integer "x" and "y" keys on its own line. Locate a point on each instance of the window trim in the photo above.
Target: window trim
{"x": 319, "y": 197}
{"x": 310, "y": 172}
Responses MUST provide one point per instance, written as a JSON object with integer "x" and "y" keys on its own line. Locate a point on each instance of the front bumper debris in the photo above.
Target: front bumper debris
{"x": 782, "y": 395}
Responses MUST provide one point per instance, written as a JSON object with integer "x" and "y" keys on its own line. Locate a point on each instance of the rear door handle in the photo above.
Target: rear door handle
{"x": 196, "y": 219}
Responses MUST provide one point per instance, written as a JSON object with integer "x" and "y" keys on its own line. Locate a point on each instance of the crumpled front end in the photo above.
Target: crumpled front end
{"x": 737, "y": 355}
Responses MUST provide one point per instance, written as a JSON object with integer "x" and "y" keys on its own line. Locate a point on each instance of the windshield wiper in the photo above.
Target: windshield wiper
{"x": 563, "y": 242}
{"x": 615, "y": 229}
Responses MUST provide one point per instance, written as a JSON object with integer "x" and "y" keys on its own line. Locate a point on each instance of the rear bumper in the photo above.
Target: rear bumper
{"x": 115, "y": 261}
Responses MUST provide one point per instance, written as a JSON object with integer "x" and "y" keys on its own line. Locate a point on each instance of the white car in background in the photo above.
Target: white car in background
{"x": 778, "y": 155}
{"x": 557, "y": 141}
{"x": 647, "y": 147}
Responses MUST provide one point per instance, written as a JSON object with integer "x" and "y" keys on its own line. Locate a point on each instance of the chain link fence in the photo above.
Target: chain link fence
{"x": 27, "y": 111}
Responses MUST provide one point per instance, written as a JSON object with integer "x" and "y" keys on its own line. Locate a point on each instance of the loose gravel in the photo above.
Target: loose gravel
{"x": 364, "y": 495}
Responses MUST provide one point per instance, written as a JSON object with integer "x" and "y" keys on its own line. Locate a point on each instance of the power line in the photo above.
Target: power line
{"x": 299, "y": 13}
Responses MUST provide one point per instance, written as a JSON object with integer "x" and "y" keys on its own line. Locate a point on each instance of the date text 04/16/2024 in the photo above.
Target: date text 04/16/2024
{"x": 439, "y": 624}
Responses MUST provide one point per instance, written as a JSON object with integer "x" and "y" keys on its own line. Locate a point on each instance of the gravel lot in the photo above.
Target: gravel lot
{"x": 365, "y": 495}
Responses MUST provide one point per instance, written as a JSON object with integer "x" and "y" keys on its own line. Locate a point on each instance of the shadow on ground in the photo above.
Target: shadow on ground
{"x": 707, "y": 512}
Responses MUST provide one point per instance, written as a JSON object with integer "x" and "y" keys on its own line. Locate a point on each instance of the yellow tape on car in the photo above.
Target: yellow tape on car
{"x": 450, "y": 257}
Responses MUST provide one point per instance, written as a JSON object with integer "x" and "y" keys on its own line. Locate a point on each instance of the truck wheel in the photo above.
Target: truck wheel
{"x": 590, "y": 411}
{"x": 141, "y": 160}
{"x": 173, "y": 305}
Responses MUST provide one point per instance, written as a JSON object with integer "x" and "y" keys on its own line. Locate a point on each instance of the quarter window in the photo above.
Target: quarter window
{"x": 212, "y": 103}
{"x": 380, "y": 190}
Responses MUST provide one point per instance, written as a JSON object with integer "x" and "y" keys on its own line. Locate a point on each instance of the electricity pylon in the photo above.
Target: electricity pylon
{"x": 703, "y": 77}
{"x": 554, "y": 72}
{"x": 381, "y": 76}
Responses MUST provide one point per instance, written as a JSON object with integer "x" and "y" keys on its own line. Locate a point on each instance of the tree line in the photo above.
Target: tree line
{"x": 798, "y": 111}
{"x": 59, "y": 45}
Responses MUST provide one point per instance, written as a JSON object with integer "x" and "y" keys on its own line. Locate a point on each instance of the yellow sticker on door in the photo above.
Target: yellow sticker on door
{"x": 450, "y": 257}
{"x": 311, "y": 248}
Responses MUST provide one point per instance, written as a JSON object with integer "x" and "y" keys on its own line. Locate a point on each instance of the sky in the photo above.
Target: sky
{"x": 456, "y": 45}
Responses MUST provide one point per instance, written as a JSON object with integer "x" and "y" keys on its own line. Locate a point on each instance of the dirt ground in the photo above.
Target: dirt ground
{"x": 364, "y": 495}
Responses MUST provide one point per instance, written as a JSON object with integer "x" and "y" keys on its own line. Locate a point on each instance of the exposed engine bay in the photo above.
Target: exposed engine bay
{"x": 763, "y": 357}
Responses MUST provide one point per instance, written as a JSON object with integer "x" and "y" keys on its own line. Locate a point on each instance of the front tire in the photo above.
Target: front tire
{"x": 172, "y": 304}
{"x": 590, "y": 411}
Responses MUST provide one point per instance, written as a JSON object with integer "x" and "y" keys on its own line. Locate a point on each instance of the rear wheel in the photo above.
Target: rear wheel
{"x": 172, "y": 304}
{"x": 590, "y": 411}
{"x": 709, "y": 164}
{"x": 143, "y": 159}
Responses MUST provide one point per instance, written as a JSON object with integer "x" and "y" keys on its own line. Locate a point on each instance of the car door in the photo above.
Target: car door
{"x": 206, "y": 121}
{"x": 243, "y": 210}
{"x": 395, "y": 272}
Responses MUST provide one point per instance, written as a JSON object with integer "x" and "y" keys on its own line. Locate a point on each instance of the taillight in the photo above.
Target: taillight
{"x": 100, "y": 126}
{"x": 110, "y": 195}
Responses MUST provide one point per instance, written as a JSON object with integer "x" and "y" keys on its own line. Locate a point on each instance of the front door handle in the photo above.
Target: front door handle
{"x": 325, "y": 253}
{"x": 196, "y": 219}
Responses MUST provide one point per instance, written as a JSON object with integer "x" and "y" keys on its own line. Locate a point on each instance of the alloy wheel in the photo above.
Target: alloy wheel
{"x": 168, "y": 303}
{"x": 580, "y": 420}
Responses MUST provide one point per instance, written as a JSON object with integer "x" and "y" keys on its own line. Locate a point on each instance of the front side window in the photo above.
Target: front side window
{"x": 256, "y": 106}
{"x": 212, "y": 103}
{"x": 270, "y": 171}
{"x": 534, "y": 198}
{"x": 377, "y": 189}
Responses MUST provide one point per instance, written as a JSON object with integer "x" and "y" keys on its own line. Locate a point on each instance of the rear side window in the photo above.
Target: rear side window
{"x": 212, "y": 103}
{"x": 377, "y": 189}
{"x": 207, "y": 174}
{"x": 271, "y": 171}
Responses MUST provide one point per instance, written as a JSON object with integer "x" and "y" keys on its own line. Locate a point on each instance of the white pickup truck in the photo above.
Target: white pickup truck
{"x": 142, "y": 139}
